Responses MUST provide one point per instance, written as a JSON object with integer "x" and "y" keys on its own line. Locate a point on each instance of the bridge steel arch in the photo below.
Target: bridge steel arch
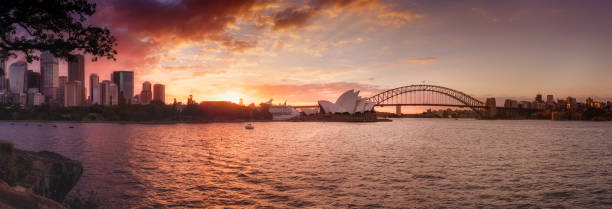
{"x": 463, "y": 98}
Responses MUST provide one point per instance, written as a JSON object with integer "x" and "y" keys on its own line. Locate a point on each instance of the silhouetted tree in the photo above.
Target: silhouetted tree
{"x": 58, "y": 26}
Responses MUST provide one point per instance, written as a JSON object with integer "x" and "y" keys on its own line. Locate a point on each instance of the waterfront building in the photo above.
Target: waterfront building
{"x": 550, "y": 99}
{"x": 348, "y": 102}
{"x": 136, "y": 99}
{"x": 94, "y": 89}
{"x": 3, "y": 74}
{"x": 20, "y": 98}
{"x": 491, "y": 107}
{"x": 125, "y": 81}
{"x": 538, "y": 98}
{"x": 76, "y": 72}
{"x": 113, "y": 90}
{"x": 159, "y": 93}
{"x": 146, "y": 95}
{"x": 73, "y": 93}
{"x": 35, "y": 98}
{"x": 49, "y": 80}
{"x": 60, "y": 89}
{"x": 525, "y": 105}
{"x": 571, "y": 103}
{"x": 18, "y": 76}
{"x": 33, "y": 79}
{"x": 509, "y": 103}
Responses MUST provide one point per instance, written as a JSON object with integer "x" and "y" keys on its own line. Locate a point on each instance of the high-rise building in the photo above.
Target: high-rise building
{"x": 94, "y": 89}
{"x": 76, "y": 72}
{"x": 62, "y": 80}
{"x": 146, "y": 95}
{"x": 125, "y": 82}
{"x": 538, "y": 98}
{"x": 49, "y": 80}
{"x": 3, "y": 74}
{"x": 159, "y": 93}
{"x": 550, "y": 99}
{"x": 34, "y": 79}
{"x": 73, "y": 94}
{"x": 35, "y": 98}
{"x": 113, "y": 90}
{"x": 109, "y": 93}
{"x": 18, "y": 74}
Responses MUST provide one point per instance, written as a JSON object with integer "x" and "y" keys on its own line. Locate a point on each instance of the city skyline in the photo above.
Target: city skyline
{"x": 485, "y": 48}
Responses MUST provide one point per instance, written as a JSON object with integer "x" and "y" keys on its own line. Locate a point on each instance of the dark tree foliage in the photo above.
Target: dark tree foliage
{"x": 57, "y": 26}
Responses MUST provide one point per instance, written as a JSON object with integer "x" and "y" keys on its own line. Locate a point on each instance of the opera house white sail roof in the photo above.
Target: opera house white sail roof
{"x": 349, "y": 102}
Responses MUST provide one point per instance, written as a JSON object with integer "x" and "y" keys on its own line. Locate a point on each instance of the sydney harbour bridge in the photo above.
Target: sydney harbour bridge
{"x": 425, "y": 95}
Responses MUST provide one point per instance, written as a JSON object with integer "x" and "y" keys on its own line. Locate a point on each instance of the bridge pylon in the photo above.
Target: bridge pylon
{"x": 398, "y": 110}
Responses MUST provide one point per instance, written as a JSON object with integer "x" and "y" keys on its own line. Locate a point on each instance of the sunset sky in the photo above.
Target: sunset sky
{"x": 303, "y": 51}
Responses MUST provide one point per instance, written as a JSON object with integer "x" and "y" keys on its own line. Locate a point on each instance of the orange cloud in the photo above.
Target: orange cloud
{"x": 485, "y": 14}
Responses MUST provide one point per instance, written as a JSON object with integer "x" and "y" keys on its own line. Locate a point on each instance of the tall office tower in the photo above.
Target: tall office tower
{"x": 146, "y": 94}
{"x": 94, "y": 89}
{"x": 550, "y": 99}
{"x": 18, "y": 74}
{"x": 159, "y": 93}
{"x": 34, "y": 79}
{"x": 538, "y": 98}
{"x": 125, "y": 82}
{"x": 113, "y": 92}
{"x": 62, "y": 80}
{"x": 73, "y": 94}
{"x": 49, "y": 80}
{"x": 3, "y": 74}
{"x": 108, "y": 94}
{"x": 76, "y": 72}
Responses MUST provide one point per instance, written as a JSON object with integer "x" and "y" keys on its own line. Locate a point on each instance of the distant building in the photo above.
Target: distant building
{"x": 159, "y": 93}
{"x": 146, "y": 95}
{"x": 76, "y": 72}
{"x": 20, "y": 98}
{"x": 125, "y": 81}
{"x": 4, "y": 75}
{"x": 114, "y": 94}
{"x": 525, "y": 105}
{"x": 35, "y": 98}
{"x": 491, "y": 107}
{"x": 33, "y": 79}
{"x": 550, "y": 99}
{"x": 538, "y": 98}
{"x": 509, "y": 103}
{"x": 94, "y": 89}
{"x": 18, "y": 77}
{"x": 73, "y": 94}
{"x": 62, "y": 80}
{"x": 571, "y": 103}
{"x": 49, "y": 80}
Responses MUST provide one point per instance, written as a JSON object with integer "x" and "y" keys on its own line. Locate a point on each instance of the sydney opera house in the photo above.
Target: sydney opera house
{"x": 349, "y": 102}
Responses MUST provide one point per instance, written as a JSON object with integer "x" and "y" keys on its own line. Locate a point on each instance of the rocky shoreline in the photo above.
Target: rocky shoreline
{"x": 35, "y": 179}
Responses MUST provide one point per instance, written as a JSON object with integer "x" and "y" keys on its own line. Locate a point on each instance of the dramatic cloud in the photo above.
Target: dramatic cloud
{"x": 419, "y": 60}
{"x": 310, "y": 93}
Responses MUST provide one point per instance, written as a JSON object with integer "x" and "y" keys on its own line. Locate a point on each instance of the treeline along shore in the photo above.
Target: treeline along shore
{"x": 155, "y": 112}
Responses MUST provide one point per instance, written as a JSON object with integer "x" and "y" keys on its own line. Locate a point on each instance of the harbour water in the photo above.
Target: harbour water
{"x": 428, "y": 163}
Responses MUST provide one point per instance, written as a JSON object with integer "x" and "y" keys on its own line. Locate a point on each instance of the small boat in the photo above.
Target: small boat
{"x": 70, "y": 126}
{"x": 12, "y": 124}
{"x": 249, "y": 126}
{"x": 54, "y": 126}
{"x": 39, "y": 125}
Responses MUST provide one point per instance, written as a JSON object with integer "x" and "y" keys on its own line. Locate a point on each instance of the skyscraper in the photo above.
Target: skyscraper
{"x": 73, "y": 94}
{"x": 76, "y": 72}
{"x": 60, "y": 89}
{"x": 125, "y": 82}
{"x": 146, "y": 94}
{"x": 109, "y": 93}
{"x": 159, "y": 93}
{"x": 3, "y": 74}
{"x": 49, "y": 80}
{"x": 34, "y": 80}
{"x": 18, "y": 75}
{"x": 94, "y": 89}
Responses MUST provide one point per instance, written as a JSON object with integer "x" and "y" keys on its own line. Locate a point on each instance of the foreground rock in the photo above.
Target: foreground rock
{"x": 12, "y": 198}
{"x": 34, "y": 174}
